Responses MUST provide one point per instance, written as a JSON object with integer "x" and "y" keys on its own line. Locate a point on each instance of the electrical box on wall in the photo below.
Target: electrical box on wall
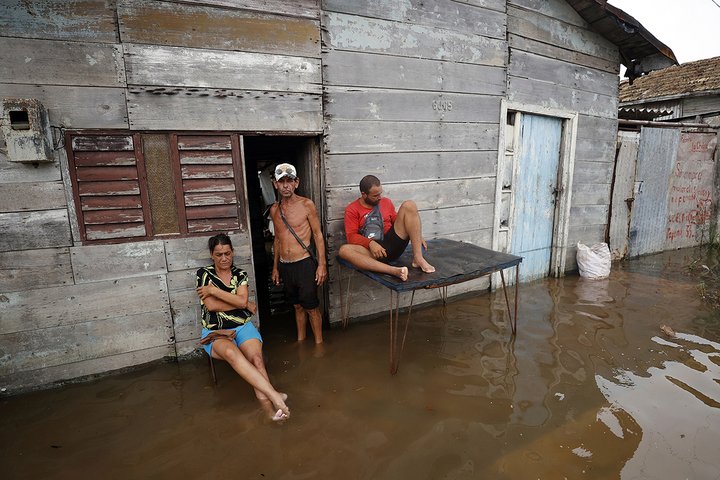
{"x": 26, "y": 129}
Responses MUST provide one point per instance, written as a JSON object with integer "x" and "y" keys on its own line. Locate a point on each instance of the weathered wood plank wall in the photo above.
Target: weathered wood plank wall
{"x": 557, "y": 61}
{"x": 412, "y": 95}
{"x": 409, "y": 91}
{"x": 224, "y": 67}
{"x": 186, "y": 65}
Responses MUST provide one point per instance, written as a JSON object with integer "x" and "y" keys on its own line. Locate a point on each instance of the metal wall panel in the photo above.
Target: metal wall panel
{"x": 656, "y": 156}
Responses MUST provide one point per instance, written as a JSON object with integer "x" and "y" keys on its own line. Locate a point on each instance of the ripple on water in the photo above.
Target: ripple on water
{"x": 677, "y": 406}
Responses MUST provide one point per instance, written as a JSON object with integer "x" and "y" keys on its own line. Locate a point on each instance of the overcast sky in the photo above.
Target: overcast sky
{"x": 691, "y": 28}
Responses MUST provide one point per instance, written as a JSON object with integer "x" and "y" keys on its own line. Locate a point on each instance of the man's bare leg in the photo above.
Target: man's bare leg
{"x": 301, "y": 322}
{"x": 316, "y": 324}
{"x": 361, "y": 258}
{"x": 408, "y": 225}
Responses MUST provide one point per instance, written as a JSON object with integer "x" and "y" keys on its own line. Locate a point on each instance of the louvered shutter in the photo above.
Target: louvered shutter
{"x": 211, "y": 182}
{"x": 110, "y": 192}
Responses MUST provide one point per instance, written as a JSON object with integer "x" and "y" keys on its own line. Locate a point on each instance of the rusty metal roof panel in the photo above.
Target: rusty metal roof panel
{"x": 629, "y": 113}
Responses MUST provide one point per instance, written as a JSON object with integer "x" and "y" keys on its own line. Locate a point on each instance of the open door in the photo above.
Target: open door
{"x": 262, "y": 154}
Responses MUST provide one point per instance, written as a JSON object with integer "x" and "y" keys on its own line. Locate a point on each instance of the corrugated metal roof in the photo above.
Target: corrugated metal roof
{"x": 642, "y": 113}
{"x": 691, "y": 77}
{"x": 640, "y": 51}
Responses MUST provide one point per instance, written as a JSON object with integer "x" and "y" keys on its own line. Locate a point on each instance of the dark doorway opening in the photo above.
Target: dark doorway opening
{"x": 261, "y": 155}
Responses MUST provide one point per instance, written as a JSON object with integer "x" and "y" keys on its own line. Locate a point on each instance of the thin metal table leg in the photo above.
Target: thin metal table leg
{"x": 443, "y": 294}
{"x": 507, "y": 302}
{"x": 212, "y": 369}
{"x": 517, "y": 282}
{"x": 393, "y": 329}
{"x": 344, "y": 310}
{"x": 394, "y": 352}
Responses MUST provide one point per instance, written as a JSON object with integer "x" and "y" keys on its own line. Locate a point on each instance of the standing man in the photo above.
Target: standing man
{"x": 296, "y": 220}
{"x": 376, "y": 234}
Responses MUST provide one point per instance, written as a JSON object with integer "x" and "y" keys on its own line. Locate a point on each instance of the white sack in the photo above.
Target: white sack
{"x": 593, "y": 262}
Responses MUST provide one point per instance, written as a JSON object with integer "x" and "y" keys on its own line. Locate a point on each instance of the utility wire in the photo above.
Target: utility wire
{"x": 716, "y": 3}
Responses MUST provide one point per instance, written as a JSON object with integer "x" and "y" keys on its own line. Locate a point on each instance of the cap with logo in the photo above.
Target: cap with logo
{"x": 285, "y": 170}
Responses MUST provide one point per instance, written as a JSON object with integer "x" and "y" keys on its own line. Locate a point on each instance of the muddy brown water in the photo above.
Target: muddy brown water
{"x": 590, "y": 388}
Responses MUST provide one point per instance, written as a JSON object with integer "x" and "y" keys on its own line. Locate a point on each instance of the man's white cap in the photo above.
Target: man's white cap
{"x": 285, "y": 170}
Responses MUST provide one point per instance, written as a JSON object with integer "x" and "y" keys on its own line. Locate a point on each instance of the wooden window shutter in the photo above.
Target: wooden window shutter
{"x": 107, "y": 173}
{"x": 211, "y": 190}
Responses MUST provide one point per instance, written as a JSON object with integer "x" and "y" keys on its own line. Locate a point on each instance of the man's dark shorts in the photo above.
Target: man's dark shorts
{"x": 299, "y": 280}
{"x": 393, "y": 245}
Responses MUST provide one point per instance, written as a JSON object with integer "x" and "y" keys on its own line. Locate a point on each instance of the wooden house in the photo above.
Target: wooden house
{"x": 134, "y": 129}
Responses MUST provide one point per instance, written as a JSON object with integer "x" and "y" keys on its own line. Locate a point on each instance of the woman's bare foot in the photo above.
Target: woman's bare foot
{"x": 283, "y": 412}
{"x": 402, "y": 273}
{"x": 280, "y": 415}
{"x": 423, "y": 265}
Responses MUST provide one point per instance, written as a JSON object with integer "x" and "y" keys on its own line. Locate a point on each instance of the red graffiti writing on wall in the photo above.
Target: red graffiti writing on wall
{"x": 687, "y": 174}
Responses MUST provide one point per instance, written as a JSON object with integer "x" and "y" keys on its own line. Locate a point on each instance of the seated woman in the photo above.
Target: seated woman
{"x": 228, "y": 334}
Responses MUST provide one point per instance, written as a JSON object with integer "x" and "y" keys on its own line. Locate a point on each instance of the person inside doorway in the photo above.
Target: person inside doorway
{"x": 227, "y": 333}
{"x": 296, "y": 222}
{"x": 376, "y": 234}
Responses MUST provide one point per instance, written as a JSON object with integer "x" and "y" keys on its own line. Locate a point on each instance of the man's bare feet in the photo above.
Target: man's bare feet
{"x": 423, "y": 265}
{"x": 402, "y": 273}
{"x": 319, "y": 351}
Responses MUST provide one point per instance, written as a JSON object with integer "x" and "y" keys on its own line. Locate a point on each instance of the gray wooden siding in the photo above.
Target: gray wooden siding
{"x": 555, "y": 29}
{"x": 75, "y": 20}
{"x": 358, "y": 69}
{"x": 47, "y": 267}
{"x": 176, "y": 66}
{"x": 370, "y": 35}
{"x": 201, "y": 67}
{"x": 21, "y": 197}
{"x": 36, "y": 229}
{"x": 394, "y": 167}
{"x": 464, "y": 18}
{"x": 48, "y": 62}
{"x": 71, "y": 106}
{"x": 178, "y": 108}
{"x": 558, "y": 62}
{"x": 296, "y": 8}
{"x": 201, "y": 26}
{"x": 190, "y": 67}
{"x": 427, "y": 126}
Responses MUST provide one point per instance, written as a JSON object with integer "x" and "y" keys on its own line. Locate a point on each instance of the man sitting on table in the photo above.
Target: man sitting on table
{"x": 376, "y": 234}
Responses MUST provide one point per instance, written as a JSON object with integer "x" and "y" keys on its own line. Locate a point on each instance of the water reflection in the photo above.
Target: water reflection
{"x": 590, "y": 388}
{"x": 676, "y": 407}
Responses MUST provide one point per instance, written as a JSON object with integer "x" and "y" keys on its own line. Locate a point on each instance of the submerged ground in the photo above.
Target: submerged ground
{"x": 590, "y": 388}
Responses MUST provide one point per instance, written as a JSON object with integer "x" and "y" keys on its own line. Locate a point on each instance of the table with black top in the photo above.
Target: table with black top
{"x": 455, "y": 262}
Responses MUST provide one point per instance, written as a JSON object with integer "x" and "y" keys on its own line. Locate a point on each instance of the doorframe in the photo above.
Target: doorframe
{"x": 566, "y": 164}
{"x": 314, "y": 162}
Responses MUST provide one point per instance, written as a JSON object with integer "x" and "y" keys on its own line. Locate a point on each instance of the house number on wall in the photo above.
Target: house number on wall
{"x": 442, "y": 105}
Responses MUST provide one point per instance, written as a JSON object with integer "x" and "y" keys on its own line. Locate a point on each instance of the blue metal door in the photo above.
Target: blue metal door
{"x": 534, "y": 194}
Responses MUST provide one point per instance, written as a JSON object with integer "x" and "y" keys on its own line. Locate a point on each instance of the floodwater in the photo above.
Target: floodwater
{"x": 590, "y": 388}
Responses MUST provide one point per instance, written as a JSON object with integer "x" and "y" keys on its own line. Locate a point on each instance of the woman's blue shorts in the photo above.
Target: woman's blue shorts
{"x": 243, "y": 333}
